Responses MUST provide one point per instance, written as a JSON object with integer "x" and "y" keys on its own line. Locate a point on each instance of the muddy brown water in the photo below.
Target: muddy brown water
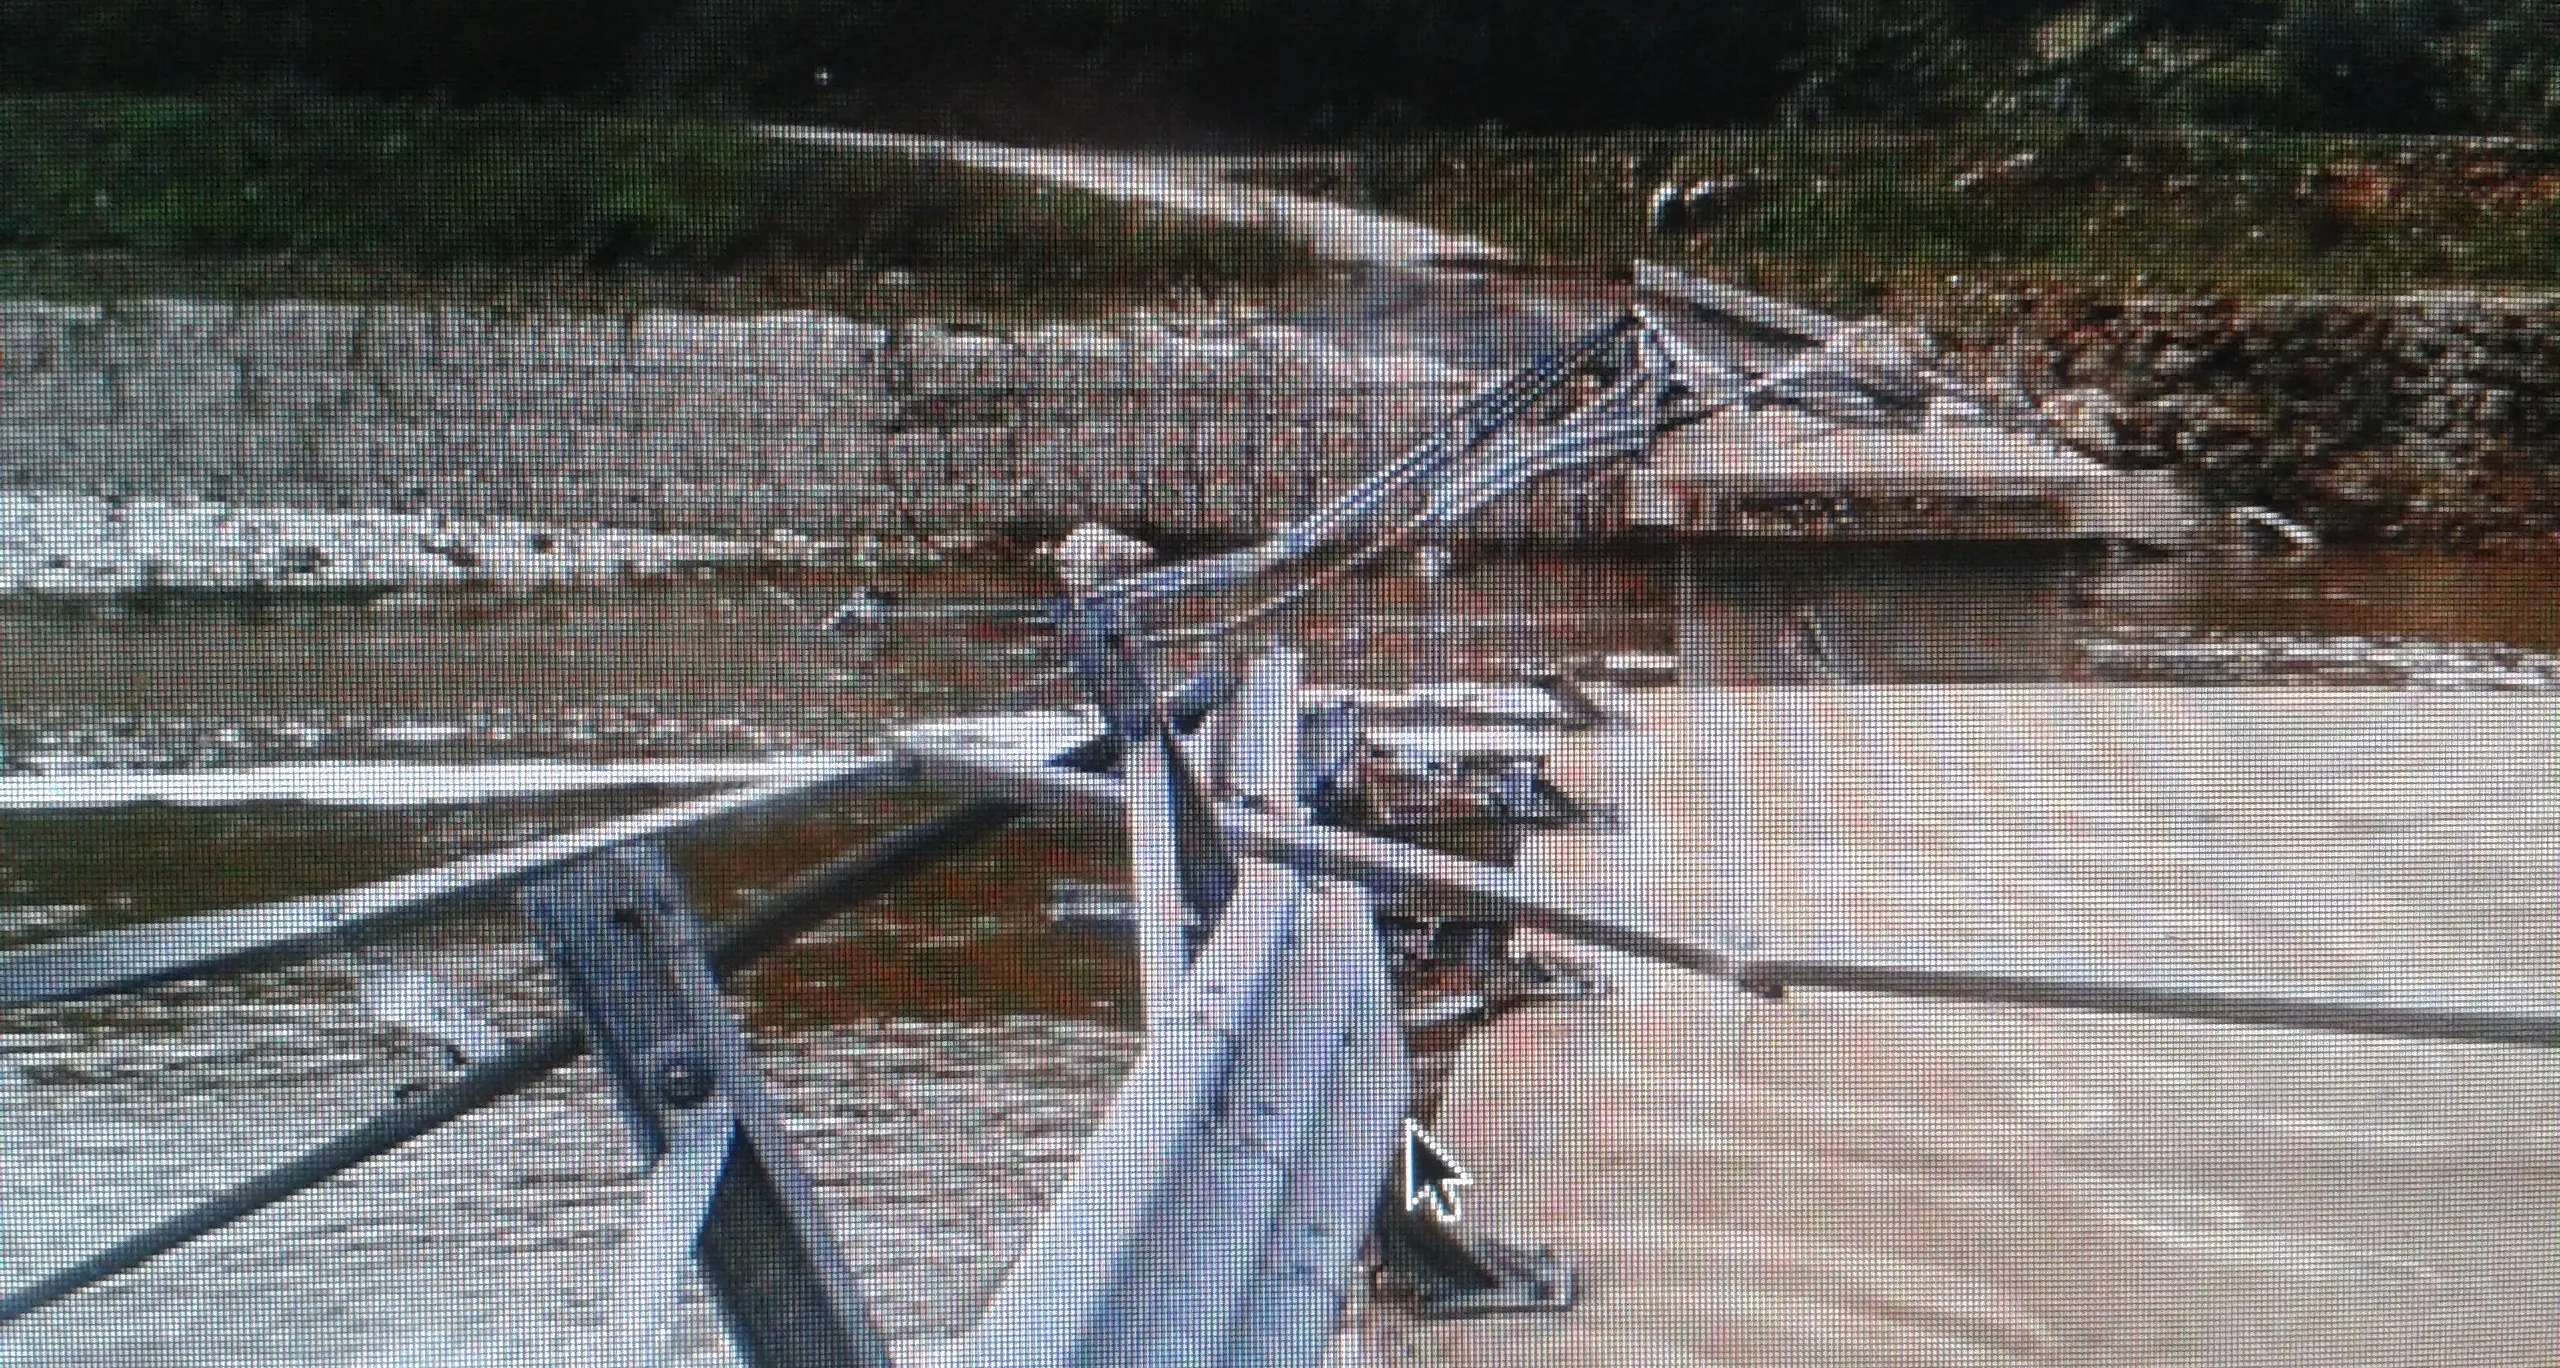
{"x": 940, "y": 1053}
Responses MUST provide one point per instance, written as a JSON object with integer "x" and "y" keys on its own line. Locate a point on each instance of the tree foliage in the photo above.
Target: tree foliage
{"x": 1296, "y": 69}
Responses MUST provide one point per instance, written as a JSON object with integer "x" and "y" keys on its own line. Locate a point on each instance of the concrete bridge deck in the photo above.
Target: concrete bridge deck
{"x": 1879, "y": 1182}
{"x": 1912, "y": 469}
{"x": 1779, "y": 473}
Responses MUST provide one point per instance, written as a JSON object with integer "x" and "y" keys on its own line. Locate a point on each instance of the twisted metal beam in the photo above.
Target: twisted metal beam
{"x": 270, "y": 935}
{"x": 773, "y": 922}
{"x": 1838, "y": 963}
{"x": 777, "y": 921}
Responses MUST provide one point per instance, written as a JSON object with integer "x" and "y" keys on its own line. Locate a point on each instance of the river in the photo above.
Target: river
{"x": 941, "y": 1053}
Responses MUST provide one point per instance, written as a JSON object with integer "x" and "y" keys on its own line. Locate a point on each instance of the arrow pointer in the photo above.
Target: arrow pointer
{"x": 1432, "y": 1174}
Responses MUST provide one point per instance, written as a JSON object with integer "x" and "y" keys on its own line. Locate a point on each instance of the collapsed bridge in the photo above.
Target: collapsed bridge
{"x": 1220, "y": 1211}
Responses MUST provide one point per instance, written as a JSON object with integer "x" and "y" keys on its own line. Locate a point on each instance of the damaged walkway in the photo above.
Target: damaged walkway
{"x": 1881, "y": 1182}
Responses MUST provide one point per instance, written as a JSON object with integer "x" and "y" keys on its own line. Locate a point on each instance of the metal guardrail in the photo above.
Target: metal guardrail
{"x": 771, "y": 924}
{"x": 723, "y": 1190}
{"x": 1218, "y": 1210}
{"x": 1368, "y": 507}
{"x": 826, "y": 892}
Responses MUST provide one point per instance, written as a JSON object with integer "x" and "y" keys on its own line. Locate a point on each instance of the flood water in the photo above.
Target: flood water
{"x": 940, "y": 1053}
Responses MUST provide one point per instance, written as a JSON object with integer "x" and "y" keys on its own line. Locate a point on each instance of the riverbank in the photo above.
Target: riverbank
{"x": 2362, "y": 334}
{"x": 2428, "y": 417}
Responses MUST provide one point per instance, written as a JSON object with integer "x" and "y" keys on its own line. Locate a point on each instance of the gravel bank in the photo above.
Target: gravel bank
{"x": 68, "y": 544}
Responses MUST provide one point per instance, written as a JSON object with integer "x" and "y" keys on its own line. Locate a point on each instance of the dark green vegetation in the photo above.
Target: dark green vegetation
{"x": 340, "y": 199}
{"x": 1223, "y": 70}
{"x": 1852, "y": 218}
{"x": 2368, "y": 66}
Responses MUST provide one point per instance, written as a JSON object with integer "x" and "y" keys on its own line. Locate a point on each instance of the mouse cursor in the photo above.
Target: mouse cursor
{"x": 1432, "y": 1174}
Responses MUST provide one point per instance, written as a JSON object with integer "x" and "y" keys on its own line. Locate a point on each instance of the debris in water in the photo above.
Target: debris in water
{"x": 1093, "y": 554}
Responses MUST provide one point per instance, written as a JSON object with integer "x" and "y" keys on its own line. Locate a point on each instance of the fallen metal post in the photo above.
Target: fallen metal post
{"x": 1102, "y": 643}
{"x": 273, "y": 934}
{"x": 1457, "y": 1275}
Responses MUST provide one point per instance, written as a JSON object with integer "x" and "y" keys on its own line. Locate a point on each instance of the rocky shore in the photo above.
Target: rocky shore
{"x": 2430, "y": 418}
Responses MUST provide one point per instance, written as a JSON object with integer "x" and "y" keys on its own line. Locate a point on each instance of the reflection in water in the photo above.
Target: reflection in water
{"x": 1795, "y": 615}
{"x": 1781, "y": 615}
{"x": 941, "y": 1053}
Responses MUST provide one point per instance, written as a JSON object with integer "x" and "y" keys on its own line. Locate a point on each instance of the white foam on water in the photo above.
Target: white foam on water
{"x": 379, "y": 784}
{"x": 1041, "y": 731}
{"x": 2273, "y": 657}
{"x": 420, "y": 732}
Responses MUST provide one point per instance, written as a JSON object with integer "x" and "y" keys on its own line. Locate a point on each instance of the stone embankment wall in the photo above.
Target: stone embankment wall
{"x": 2423, "y": 417}
{"x": 2433, "y": 417}
{"x": 800, "y": 421}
